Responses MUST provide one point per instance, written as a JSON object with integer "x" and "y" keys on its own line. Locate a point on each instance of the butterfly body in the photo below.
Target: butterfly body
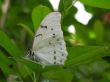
{"x": 49, "y": 46}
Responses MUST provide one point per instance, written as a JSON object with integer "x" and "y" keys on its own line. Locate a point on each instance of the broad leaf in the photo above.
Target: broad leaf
{"x": 81, "y": 54}
{"x": 38, "y": 14}
{"x": 97, "y": 3}
{"x": 9, "y": 46}
{"x": 60, "y": 75}
{"x": 4, "y": 64}
{"x": 99, "y": 31}
{"x": 82, "y": 33}
{"x": 30, "y": 64}
{"x": 27, "y": 29}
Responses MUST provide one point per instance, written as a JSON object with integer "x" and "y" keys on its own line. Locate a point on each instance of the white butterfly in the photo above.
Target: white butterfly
{"x": 49, "y": 46}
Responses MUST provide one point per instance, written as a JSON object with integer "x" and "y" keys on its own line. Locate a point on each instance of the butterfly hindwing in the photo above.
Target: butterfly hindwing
{"x": 49, "y": 45}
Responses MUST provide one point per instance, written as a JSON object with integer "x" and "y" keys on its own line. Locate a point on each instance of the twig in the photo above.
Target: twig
{"x": 5, "y": 8}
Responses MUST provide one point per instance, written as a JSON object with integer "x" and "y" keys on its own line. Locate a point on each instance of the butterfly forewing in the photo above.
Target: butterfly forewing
{"x": 49, "y": 45}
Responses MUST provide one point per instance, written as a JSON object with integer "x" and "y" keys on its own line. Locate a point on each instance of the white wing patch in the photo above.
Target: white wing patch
{"x": 49, "y": 46}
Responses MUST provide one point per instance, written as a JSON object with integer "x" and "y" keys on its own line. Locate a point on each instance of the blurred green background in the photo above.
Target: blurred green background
{"x": 88, "y": 47}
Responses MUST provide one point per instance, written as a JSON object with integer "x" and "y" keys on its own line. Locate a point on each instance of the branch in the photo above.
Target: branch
{"x": 5, "y": 8}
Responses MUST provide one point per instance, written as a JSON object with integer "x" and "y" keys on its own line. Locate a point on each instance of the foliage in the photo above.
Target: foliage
{"x": 86, "y": 48}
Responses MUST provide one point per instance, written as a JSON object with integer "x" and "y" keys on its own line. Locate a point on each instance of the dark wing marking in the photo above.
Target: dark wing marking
{"x": 43, "y": 26}
{"x": 54, "y": 52}
{"x": 51, "y": 28}
{"x": 55, "y": 57}
{"x": 38, "y": 35}
{"x": 53, "y": 35}
{"x": 55, "y": 62}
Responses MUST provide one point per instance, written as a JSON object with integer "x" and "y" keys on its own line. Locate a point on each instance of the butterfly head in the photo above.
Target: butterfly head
{"x": 30, "y": 54}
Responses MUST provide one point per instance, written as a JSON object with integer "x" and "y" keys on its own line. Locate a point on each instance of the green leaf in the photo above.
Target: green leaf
{"x": 56, "y": 67}
{"x": 60, "y": 75}
{"x": 4, "y": 64}
{"x": 69, "y": 19}
{"x": 24, "y": 70}
{"x": 38, "y": 15}
{"x": 65, "y": 5}
{"x": 9, "y": 46}
{"x": 96, "y": 3}
{"x": 6, "y": 70}
{"x": 81, "y": 54}
{"x": 34, "y": 3}
{"x": 27, "y": 29}
{"x": 82, "y": 33}
{"x": 67, "y": 10}
{"x": 32, "y": 65}
{"x": 99, "y": 31}
{"x": 4, "y": 59}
